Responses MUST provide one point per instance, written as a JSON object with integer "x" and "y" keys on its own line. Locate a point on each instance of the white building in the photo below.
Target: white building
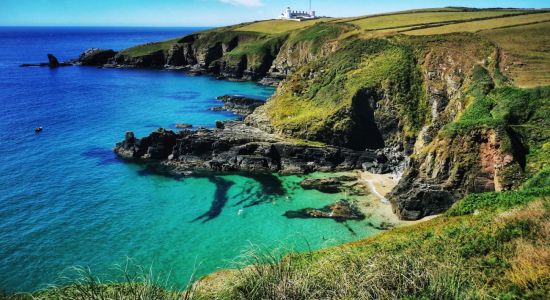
{"x": 295, "y": 15}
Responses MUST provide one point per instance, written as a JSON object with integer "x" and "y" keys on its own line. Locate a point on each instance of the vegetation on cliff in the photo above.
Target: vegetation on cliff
{"x": 334, "y": 100}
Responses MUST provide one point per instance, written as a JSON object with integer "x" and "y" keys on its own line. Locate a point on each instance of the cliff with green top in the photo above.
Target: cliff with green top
{"x": 456, "y": 101}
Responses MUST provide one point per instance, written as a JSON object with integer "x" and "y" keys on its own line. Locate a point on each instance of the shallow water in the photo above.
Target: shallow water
{"x": 65, "y": 200}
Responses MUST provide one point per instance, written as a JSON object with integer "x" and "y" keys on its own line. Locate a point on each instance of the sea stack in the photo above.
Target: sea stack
{"x": 52, "y": 61}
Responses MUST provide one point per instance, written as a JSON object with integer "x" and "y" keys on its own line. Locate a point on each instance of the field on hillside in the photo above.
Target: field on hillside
{"x": 475, "y": 26}
{"x": 278, "y": 26}
{"x": 525, "y": 52}
{"x": 423, "y": 18}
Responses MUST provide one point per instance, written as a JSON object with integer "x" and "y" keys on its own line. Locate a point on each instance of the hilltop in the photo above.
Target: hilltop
{"x": 455, "y": 99}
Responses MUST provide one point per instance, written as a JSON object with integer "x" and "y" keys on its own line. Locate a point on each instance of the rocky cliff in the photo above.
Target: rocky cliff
{"x": 433, "y": 108}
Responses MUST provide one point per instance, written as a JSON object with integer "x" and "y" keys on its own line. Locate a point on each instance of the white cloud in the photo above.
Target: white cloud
{"x": 249, "y": 3}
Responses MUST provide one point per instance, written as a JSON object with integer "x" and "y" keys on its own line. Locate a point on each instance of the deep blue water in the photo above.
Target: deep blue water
{"x": 65, "y": 200}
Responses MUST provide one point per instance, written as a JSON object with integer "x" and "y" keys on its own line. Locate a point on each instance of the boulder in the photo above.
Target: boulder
{"x": 158, "y": 145}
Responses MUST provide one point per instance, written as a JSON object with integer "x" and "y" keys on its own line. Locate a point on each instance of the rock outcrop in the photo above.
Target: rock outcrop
{"x": 237, "y": 147}
{"x": 95, "y": 57}
{"x": 52, "y": 61}
{"x": 240, "y": 105}
{"x": 340, "y": 211}
{"x": 454, "y": 167}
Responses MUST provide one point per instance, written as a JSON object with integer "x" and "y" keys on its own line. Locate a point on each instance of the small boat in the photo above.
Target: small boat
{"x": 38, "y": 129}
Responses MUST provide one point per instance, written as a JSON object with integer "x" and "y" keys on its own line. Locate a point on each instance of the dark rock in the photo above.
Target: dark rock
{"x": 158, "y": 145}
{"x": 421, "y": 201}
{"x": 156, "y": 59}
{"x": 96, "y": 57}
{"x": 239, "y": 104}
{"x": 52, "y": 61}
{"x": 237, "y": 147}
{"x": 340, "y": 211}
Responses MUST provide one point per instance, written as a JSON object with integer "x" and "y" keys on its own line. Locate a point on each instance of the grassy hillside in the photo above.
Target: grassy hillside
{"x": 409, "y": 19}
{"x": 520, "y": 34}
{"x": 525, "y": 52}
{"x": 475, "y": 26}
{"x": 147, "y": 49}
{"x": 278, "y": 26}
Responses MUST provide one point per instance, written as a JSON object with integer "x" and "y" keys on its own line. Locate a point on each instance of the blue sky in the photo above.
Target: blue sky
{"x": 204, "y": 12}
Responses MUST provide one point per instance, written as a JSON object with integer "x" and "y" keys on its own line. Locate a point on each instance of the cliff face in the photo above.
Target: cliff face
{"x": 230, "y": 53}
{"x": 434, "y": 108}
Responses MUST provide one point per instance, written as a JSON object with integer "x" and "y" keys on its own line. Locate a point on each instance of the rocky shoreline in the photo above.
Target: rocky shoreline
{"x": 235, "y": 146}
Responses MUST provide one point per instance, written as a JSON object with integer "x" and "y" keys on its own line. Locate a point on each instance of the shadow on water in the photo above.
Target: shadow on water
{"x": 102, "y": 156}
{"x": 270, "y": 186}
{"x": 219, "y": 201}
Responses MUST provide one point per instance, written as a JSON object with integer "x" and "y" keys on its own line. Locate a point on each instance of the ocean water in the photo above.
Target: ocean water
{"x": 66, "y": 200}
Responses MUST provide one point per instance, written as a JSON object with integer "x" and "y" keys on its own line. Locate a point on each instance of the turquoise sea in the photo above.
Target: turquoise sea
{"x": 65, "y": 200}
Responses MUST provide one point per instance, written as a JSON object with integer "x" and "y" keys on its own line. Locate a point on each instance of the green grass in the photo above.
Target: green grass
{"x": 318, "y": 35}
{"x": 423, "y": 18}
{"x": 147, "y": 49}
{"x": 536, "y": 187}
{"x": 506, "y": 106}
{"x": 278, "y": 26}
{"x": 256, "y": 51}
{"x": 526, "y": 59}
{"x": 135, "y": 282}
{"x": 476, "y": 26}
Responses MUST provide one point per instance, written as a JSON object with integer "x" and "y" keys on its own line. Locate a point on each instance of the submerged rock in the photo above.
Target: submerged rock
{"x": 331, "y": 185}
{"x": 340, "y": 211}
